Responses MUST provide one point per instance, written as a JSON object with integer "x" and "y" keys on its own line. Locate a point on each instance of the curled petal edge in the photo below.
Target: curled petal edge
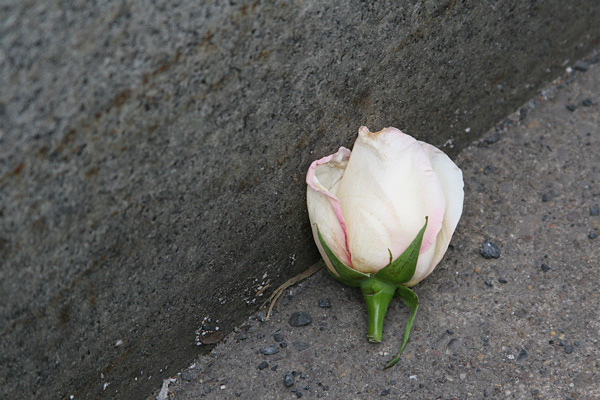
{"x": 313, "y": 182}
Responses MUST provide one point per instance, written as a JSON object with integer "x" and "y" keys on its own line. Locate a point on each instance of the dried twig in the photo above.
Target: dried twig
{"x": 279, "y": 291}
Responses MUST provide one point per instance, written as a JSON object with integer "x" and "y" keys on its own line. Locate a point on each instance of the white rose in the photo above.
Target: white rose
{"x": 374, "y": 200}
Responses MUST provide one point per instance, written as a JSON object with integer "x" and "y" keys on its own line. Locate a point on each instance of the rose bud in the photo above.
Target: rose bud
{"x": 382, "y": 216}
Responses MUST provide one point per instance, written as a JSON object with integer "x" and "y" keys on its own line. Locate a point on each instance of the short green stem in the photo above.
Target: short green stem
{"x": 378, "y": 295}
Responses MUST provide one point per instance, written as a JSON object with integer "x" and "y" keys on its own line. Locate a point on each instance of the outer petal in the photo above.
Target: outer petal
{"x": 423, "y": 264}
{"x": 452, "y": 183}
{"x": 324, "y": 209}
{"x": 387, "y": 190}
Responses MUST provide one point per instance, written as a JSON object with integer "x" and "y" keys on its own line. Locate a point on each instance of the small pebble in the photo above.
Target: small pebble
{"x": 593, "y": 235}
{"x": 571, "y": 107}
{"x": 489, "y": 250}
{"x": 489, "y": 283}
{"x": 493, "y": 138}
{"x": 594, "y": 210}
{"x": 240, "y": 336}
{"x": 288, "y": 380}
{"x": 298, "y": 394}
{"x": 569, "y": 349}
{"x": 300, "y": 346}
{"x": 581, "y": 66}
{"x": 238, "y": 394}
{"x": 262, "y": 315}
{"x": 523, "y": 355}
{"x": 587, "y": 102}
{"x": 453, "y": 344}
{"x": 545, "y": 267}
{"x": 274, "y": 367}
{"x": 286, "y": 300}
{"x": 300, "y": 318}
{"x": 278, "y": 337}
{"x": 252, "y": 325}
{"x": 325, "y": 303}
{"x": 502, "y": 280}
{"x": 189, "y": 375}
{"x": 263, "y": 365}
{"x": 488, "y": 170}
{"x": 523, "y": 112}
{"x": 267, "y": 351}
{"x": 546, "y": 197}
{"x": 283, "y": 345}
{"x": 384, "y": 392}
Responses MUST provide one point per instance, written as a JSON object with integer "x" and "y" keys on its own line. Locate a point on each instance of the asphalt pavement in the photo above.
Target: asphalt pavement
{"x": 524, "y": 325}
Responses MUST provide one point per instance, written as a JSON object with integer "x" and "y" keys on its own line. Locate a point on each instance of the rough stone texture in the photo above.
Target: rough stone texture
{"x": 533, "y": 334}
{"x": 152, "y": 155}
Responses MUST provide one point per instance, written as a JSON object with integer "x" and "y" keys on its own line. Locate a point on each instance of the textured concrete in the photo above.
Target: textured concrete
{"x": 152, "y": 155}
{"x": 522, "y": 326}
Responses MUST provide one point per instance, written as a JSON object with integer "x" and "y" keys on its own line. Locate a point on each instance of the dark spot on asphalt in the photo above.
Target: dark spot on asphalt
{"x": 545, "y": 267}
{"x": 278, "y": 337}
{"x": 263, "y": 365}
{"x": 325, "y": 303}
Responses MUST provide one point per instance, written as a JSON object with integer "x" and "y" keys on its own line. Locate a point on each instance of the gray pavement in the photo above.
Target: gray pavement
{"x": 521, "y": 326}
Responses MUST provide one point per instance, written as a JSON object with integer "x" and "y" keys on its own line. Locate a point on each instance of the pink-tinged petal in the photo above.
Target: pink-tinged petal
{"x": 452, "y": 183}
{"x": 324, "y": 207}
{"x": 387, "y": 190}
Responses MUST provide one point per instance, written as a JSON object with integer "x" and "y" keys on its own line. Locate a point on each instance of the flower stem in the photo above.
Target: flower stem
{"x": 378, "y": 295}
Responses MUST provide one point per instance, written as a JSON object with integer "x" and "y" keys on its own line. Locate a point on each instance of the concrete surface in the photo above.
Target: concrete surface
{"x": 522, "y": 326}
{"x": 152, "y": 155}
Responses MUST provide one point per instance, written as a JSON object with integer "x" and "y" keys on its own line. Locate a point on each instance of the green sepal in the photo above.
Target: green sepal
{"x": 348, "y": 282}
{"x": 412, "y": 301}
{"x": 347, "y": 275}
{"x": 402, "y": 269}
